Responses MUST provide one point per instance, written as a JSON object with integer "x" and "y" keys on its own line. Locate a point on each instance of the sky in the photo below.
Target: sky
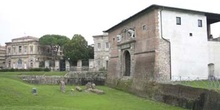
{"x": 36, "y": 18}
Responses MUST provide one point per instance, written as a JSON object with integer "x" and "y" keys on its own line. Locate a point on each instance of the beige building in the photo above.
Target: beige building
{"x": 101, "y": 51}
{"x": 2, "y": 57}
{"x": 25, "y": 52}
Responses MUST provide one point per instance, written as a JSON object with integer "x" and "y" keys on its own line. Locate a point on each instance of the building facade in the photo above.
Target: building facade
{"x": 101, "y": 52}
{"x": 163, "y": 43}
{"x": 2, "y": 57}
{"x": 25, "y": 52}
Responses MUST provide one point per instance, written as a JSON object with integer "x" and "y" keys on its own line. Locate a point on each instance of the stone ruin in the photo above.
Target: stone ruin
{"x": 62, "y": 86}
{"x": 91, "y": 87}
{"x": 71, "y": 78}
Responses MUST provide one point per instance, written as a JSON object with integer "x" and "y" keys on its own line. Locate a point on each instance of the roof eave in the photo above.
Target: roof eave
{"x": 217, "y": 16}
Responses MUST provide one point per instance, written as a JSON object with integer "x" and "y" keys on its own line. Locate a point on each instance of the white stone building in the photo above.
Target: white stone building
{"x": 191, "y": 50}
{"x": 101, "y": 51}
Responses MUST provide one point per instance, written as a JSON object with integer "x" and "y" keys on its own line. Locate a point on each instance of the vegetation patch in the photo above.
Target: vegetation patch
{"x": 17, "y": 95}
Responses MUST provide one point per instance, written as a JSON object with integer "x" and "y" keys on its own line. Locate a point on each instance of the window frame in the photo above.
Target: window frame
{"x": 199, "y": 23}
{"x": 99, "y": 46}
{"x": 178, "y": 21}
{"x": 19, "y": 49}
{"x": 107, "y": 45}
{"x": 31, "y": 49}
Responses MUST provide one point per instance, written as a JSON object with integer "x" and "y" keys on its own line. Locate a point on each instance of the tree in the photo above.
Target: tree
{"x": 77, "y": 49}
{"x": 91, "y": 52}
{"x": 55, "y": 42}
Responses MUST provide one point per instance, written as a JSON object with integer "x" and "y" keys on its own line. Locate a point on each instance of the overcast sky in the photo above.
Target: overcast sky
{"x": 20, "y": 18}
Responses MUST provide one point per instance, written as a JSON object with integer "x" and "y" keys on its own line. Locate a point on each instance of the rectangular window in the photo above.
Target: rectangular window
{"x": 19, "y": 49}
{"x": 31, "y": 49}
{"x": 199, "y": 23}
{"x": 144, "y": 27}
{"x": 14, "y": 50}
{"x": 107, "y": 45}
{"x": 178, "y": 20}
{"x": 99, "y": 45}
{"x": 9, "y": 50}
{"x": 25, "y": 49}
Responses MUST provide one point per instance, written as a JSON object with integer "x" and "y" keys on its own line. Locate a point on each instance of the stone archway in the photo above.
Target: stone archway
{"x": 127, "y": 63}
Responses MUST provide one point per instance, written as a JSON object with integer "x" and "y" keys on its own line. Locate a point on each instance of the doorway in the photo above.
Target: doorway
{"x": 127, "y": 59}
{"x": 211, "y": 67}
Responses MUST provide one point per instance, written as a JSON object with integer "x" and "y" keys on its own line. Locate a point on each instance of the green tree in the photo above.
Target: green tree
{"x": 53, "y": 43}
{"x": 77, "y": 49}
{"x": 91, "y": 52}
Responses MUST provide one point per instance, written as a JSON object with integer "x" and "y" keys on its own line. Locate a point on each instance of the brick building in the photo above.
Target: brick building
{"x": 163, "y": 43}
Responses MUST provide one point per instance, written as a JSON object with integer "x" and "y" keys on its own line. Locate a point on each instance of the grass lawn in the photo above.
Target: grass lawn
{"x": 16, "y": 95}
{"x": 215, "y": 85}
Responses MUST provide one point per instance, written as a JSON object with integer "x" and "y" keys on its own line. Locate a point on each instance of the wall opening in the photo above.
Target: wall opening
{"x": 211, "y": 68}
{"x": 127, "y": 59}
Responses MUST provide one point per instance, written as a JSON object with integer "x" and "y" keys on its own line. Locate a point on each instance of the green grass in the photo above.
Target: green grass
{"x": 16, "y": 95}
{"x": 205, "y": 84}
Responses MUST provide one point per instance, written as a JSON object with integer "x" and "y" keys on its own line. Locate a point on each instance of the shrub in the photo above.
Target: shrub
{"x": 23, "y": 70}
{"x": 46, "y": 69}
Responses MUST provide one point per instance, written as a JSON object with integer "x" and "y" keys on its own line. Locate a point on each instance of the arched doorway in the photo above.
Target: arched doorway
{"x": 127, "y": 59}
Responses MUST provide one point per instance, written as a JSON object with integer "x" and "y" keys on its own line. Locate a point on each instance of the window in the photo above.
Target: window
{"x": 178, "y": 20}
{"x": 19, "y": 63}
{"x": 14, "y": 50}
{"x": 19, "y": 49}
{"x": 9, "y": 50}
{"x": 31, "y": 64}
{"x": 9, "y": 64}
{"x": 107, "y": 45}
{"x": 144, "y": 27}
{"x": 99, "y": 45}
{"x": 25, "y": 49}
{"x": 199, "y": 23}
{"x": 31, "y": 49}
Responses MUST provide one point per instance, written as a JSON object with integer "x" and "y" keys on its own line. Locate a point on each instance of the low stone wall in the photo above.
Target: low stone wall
{"x": 76, "y": 78}
{"x": 41, "y": 79}
{"x": 82, "y": 78}
{"x": 177, "y": 95}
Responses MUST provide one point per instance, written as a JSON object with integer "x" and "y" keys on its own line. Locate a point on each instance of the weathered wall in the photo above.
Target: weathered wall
{"x": 177, "y": 95}
{"x": 214, "y": 52}
{"x": 162, "y": 61}
{"x": 189, "y": 56}
{"x": 142, "y": 49}
{"x": 76, "y": 78}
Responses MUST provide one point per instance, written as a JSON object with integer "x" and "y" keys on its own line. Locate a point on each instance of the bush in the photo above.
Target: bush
{"x": 46, "y": 69}
{"x": 102, "y": 69}
{"x": 23, "y": 70}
